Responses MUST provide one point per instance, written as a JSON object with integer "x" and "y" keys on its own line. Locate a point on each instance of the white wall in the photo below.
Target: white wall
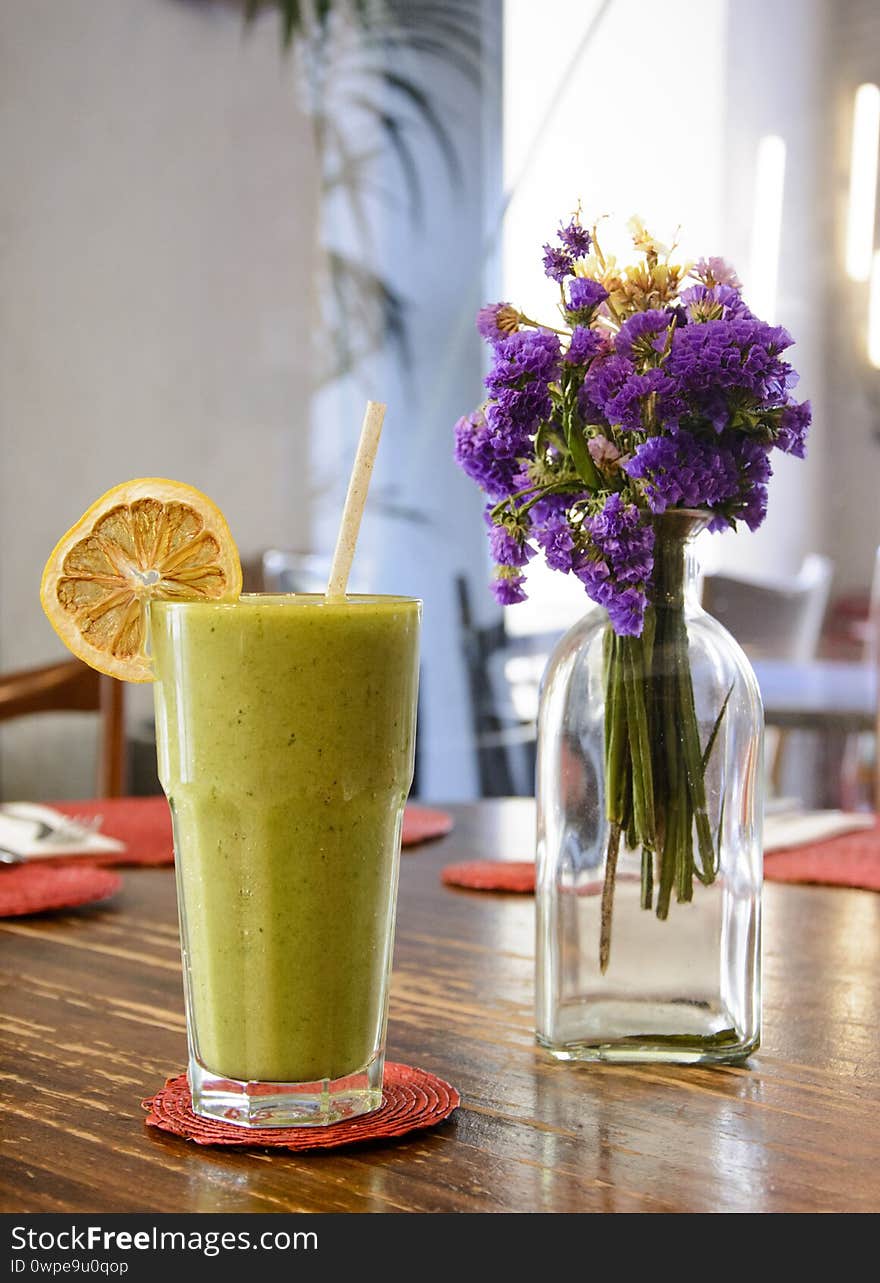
{"x": 616, "y": 128}
{"x": 157, "y": 224}
{"x": 662, "y": 116}
{"x": 852, "y": 477}
{"x": 776, "y": 68}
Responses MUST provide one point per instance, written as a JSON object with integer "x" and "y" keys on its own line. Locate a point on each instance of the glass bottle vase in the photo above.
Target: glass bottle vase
{"x": 650, "y": 805}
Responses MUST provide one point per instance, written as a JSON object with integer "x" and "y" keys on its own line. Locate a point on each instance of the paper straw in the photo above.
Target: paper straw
{"x": 358, "y": 486}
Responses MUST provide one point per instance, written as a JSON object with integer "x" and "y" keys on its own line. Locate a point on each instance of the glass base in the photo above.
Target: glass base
{"x": 632, "y": 1032}
{"x": 257, "y": 1104}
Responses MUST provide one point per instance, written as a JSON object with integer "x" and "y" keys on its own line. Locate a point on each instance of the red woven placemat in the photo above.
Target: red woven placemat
{"x": 421, "y": 824}
{"x": 852, "y": 860}
{"x": 492, "y": 875}
{"x": 37, "y": 888}
{"x": 144, "y": 825}
{"x": 412, "y": 1099}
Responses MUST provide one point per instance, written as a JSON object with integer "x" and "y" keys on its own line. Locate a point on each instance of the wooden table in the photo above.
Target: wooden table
{"x": 92, "y": 1018}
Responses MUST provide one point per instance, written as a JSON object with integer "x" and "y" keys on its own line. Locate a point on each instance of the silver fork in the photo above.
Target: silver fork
{"x": 70, "y": 830}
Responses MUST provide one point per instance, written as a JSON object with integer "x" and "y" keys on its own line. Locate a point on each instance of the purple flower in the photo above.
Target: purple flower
{"x": 477, "y": 456}
{"x": 595, "y": 575}
{"x": 742, "y": 355}
{"x": 604, "y": 380}
{"x": 520, "y": 409}
{"x": 556, "y": 541}
{"x": 727, "y": 475}
{"x": 627, "y": 612}
{"x": 618, "y": 564}
{"x": 793, "y": 427}
{"x": 507, "y": 549}
{"x": 625, "y": 606}
{"x": 643, "y": 335}
{"x": 525, "y": 363}
{"x": 529, "y": 354}
{"x": 755, "y": 471}
{"x": 717, "y": 271}
{"x": 682, "y": 407}
{"x": 496, "y": 321}
{"x": 754, "y": 508}
{"x": 682, "y": 471}
{"x": 627, "y": 407}
{"x": 584, "y": 296}
{"x": 576, "y": 239}
{"x": 558, "y": 263}
{"x": 507, "y": 589}
{"x": 624, "y": 539}
{"x": 714, "y": 302}
{"x": 585, "y": 344}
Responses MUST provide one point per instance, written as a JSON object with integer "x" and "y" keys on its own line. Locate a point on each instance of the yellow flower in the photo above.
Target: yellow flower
{"x": 646, "y": 285}
{"x": 644, "y": 241}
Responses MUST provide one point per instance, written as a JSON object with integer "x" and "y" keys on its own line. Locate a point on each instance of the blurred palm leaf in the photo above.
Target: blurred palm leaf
{"x": 449, "y": 33}
{"x": 362, "y": 304}
{"x": 355, "y": 57}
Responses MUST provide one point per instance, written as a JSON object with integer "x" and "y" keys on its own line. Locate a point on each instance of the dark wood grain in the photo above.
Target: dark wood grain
{"x": 92, "y": 1019}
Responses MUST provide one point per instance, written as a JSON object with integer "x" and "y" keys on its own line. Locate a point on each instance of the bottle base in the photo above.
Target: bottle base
{"x": 270, "y": 1104}
{"x": 632, "y": 1032}
{"x": 649, "y": 1052}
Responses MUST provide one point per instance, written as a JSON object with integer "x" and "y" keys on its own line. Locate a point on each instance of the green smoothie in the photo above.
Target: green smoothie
{"x": 286, "y": 731}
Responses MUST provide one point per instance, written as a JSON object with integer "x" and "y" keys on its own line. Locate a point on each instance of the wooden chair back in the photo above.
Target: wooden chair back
{"x": 71, "y": 686}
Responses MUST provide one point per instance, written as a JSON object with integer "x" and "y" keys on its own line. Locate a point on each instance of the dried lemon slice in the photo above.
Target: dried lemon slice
{"x": 145, "y": 539}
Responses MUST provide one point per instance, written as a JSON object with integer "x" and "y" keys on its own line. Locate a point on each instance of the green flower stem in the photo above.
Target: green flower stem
{"x": 542, "y": 325}
{"x": 647, "y": 891}
{"x": 639, "y": 741}
{"x": 629, "y": 819}
{"x": 618, "y": 782}
{"x": 615, "y": 737}
{"x": 654, "y": 764}
{"x": 691, "y": 751}
{"x": 611, "y": 855}
{"x": 675, "y": 796}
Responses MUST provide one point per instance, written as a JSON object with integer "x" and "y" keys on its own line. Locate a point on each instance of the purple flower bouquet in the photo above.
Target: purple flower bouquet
{"x": 657, "y": 393}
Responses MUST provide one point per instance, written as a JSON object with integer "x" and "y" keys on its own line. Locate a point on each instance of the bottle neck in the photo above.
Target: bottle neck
{"x": 673, "y": 581}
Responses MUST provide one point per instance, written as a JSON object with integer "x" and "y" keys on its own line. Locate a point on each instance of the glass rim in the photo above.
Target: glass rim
{"x": 288, "y": 600}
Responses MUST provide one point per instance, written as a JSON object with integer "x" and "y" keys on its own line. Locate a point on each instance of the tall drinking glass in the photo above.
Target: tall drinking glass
{"x": 285, "y": 728}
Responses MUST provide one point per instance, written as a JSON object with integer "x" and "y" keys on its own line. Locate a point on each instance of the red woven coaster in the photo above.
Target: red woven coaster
{"x": 36, "y": 888}
{"x": 420, "y": 824}
{"x": 412, "y": 1099}
{"x": 492, "y": 875}
{"x": 852, "y": 860}
{"x": 144, "y": 825}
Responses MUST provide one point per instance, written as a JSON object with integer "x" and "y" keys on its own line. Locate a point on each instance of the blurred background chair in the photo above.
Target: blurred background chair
{"x": 504, "y": 730}
{"x": 773, "y": 620}
{"x": 860, "y": 768}
{"x": 74, "y": 687}
{"x": 781, "y": 621}
{"x": 286, "y": 571}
